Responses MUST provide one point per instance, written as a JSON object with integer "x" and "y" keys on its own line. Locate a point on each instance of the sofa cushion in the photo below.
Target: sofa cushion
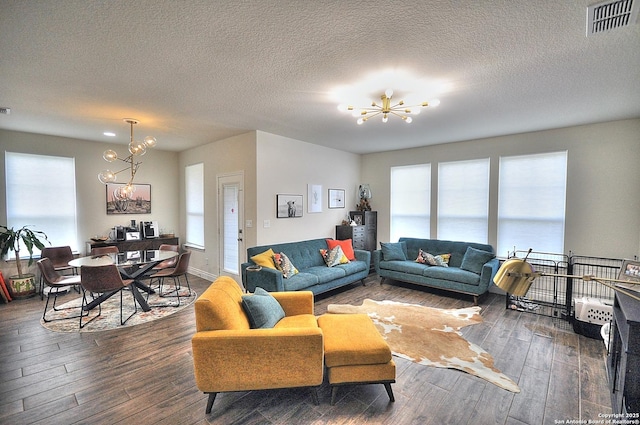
{"x": 392, "y": 251}
{"x": 264, "y": 259}
{"x": 426, "y": 258}
{"x": 442, "y": 260}
{"x": 262, "y": 309}
{"x": 354, "y": 267}
{"x": 283, "y": 264}
{"x": 346, "y": 245}
{"x": 454, "y": 274}
{"x": 333, "y": 257}
{"x": 474, "y": 259}
{"x": 326, "y": 274}
{"x": 403, "y": 266}
{"x": 302, "y": 280}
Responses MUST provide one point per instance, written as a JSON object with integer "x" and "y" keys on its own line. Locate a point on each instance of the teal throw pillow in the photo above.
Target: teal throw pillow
{"x": 392, "y": 251}
{"x": 263, "y": 311}
{"x": 474, "y": 259}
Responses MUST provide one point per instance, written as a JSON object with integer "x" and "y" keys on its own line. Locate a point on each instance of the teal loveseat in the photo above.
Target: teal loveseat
{"x": 313, "y": 274}
{"x": 470, "y": 269}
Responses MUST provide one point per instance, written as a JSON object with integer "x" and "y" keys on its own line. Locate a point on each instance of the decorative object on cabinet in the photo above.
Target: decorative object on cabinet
{"x": 365, "y": 232}
{"x": 623, "y": 360}
{"x": 138, "y": 203}
{"x": 288, "y": 206}
{"x": 336, "y": 198}
{"x": 314, "y": 198}
{"x": 364, "y": 193}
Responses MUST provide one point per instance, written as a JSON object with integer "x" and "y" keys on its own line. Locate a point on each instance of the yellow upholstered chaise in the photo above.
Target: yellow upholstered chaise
{"x": 230, "y": 356}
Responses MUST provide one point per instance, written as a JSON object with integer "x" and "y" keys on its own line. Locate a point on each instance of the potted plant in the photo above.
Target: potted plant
{"x": 22, "y": 284}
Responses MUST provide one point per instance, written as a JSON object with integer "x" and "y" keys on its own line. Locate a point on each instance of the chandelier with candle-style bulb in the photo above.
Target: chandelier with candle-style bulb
{"x": 136, "y": 149}
{"x": 386, "y": 108}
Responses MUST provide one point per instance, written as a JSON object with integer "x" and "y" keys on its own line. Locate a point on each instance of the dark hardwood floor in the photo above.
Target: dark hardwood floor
{"x": 144, "y": 374}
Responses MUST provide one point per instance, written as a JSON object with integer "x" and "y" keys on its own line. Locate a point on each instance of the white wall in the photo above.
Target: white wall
{"x": 159, "y": 168}
{"x": 603, "y": 205}
{"x": 287, "y": 166}
{"x": 233, "y": 155}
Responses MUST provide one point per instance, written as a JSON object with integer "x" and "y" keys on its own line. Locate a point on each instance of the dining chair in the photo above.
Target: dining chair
{"x": 103, "y": 279}
{"x": 102, "y": 250}
{"x": 57, "y": 285}
{"x": 182, "y": 265}
{"x": 171, "y": 262}
{"x": 60, "y": 257}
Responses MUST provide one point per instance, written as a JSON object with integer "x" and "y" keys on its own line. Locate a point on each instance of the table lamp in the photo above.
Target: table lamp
{"x": 516, "y": 275}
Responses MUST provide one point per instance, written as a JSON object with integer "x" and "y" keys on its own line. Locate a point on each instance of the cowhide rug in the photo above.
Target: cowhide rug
{"x": 430, "y": 336}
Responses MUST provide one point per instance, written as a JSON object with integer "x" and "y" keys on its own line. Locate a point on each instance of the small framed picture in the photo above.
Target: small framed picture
{"x": 336, "y": 198}
{"x": 288, "y": 206}
{"x": 357, "y": 217}
{"x": 629, "y": 272}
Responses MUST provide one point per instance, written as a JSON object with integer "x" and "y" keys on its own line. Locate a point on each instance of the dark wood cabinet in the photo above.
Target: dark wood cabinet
{"x": 623, "y": 360}
{"x": 365, "y": 234}
{"x": 134, "y": 245}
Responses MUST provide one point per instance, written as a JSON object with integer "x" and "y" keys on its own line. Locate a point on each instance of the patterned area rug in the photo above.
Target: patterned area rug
{"x": 110, "y": 317}
{"x": 430, "y": 336}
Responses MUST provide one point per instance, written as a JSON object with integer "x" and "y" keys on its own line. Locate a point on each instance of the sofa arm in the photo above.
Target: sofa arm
{"x": 362, "y": 255}
{"x": 489, "y": 270}
{"x": 266, "y": 278}
{"x": 377, "y": 257}
{"x": 295, "y": 302}
{"x": 242, "y": 360}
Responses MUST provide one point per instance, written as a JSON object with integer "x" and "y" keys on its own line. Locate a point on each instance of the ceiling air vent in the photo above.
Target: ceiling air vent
{"x": 610, "y": 15}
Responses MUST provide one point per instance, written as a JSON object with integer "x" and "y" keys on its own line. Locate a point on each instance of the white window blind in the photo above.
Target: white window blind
{"x": 463, "y": 200}
{"x": 41, "y": 193}
{"x": 194, "y": 190}
{"x": 531, "y": 202}
{"x": 410, "y": 201}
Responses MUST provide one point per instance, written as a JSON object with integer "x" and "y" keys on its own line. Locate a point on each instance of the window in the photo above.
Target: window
{"x": 531, "y": 202}
{"x": 410, "y": 201}
{"x": 41, "y": 192}
{"x": 463, "y": 200}
{"x": 194, "y": 189}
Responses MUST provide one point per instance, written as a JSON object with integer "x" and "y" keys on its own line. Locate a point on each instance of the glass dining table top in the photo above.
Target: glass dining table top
{"x": 123, "y": 259}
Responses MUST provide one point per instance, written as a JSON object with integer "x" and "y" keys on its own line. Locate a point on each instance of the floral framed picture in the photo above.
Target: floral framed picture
{"x": 289, "y": 206}
{"x": 140, "y": 202}
{"x": 336, "y": 198}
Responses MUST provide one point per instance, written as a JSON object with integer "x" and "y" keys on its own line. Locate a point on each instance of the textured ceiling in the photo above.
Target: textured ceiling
{"x": 194, "y": 72}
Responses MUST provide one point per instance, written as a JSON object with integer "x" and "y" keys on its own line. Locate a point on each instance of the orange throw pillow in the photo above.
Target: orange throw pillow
{"x": 346, "y": 245}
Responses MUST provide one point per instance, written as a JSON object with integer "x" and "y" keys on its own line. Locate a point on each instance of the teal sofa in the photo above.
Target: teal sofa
{"x": 469, "y": 271}
{"x": 314, "y": 275}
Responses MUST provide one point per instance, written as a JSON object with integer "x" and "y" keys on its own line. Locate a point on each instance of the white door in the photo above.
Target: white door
{"x": 230, "y": 220}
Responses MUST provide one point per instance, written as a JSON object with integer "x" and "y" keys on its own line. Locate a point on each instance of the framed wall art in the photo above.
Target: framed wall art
{"x": 314, "y": 198}
{"x": 140, "y": 203}
{"x": 336, "y": 198}
{"x": 288, "y": 206}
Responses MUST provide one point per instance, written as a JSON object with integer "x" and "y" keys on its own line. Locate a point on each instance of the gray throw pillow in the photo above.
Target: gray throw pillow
{"x": 474, "y": 259}
{"x": 263, "y": 311}
{"x": 392, "y": 251}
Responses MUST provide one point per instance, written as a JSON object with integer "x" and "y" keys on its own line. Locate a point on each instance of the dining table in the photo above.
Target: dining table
{"x": 131, "y": 265}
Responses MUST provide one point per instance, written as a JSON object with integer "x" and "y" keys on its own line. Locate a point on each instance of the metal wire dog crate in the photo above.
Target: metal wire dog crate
{"x": 553, "y": 295}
